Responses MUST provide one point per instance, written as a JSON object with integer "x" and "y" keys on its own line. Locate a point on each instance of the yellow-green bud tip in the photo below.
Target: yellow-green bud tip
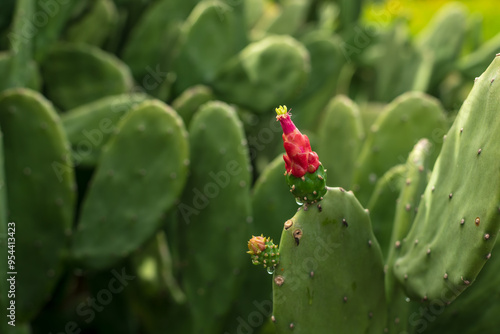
{"x": 282, "y": 110}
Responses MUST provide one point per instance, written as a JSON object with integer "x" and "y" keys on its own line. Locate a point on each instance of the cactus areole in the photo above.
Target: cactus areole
{"x": 304, "y": 172}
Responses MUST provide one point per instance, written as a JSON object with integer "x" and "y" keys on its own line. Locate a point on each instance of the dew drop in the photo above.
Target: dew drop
{"x": 270, "y": 270}
{"x": 299, "y": 201}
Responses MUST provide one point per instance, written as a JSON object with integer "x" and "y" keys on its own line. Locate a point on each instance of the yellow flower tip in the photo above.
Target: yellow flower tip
{"x": 282, "y": 110}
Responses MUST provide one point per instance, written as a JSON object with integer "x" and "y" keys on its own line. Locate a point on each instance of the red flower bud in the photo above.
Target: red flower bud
{"x": 256, "y": 244}
{"x": 299, "y": 158}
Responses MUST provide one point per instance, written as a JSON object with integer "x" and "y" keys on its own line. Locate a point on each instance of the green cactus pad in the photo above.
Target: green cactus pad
{"x": 473, "y": 64}
{"x": 340, "y": 137}
{"x": 382, "y": 205}
{"x": 443, "y": 38}
{"x": 153, "y": 41}
{"x": 309, "y": 188}
{"x": 154, "y": 267}
{"x": 330, "y": 276}
{"x": 79, "y": 74}
{"x": 40, "y": 194}
{"x": 271, "y": 205}
{"x": 59, "y": 13}
{"x": 283, "y": 18}
{"x": 95, "y": 26}
{"x": 190, "y": 100}
{"x": 410, "y": 67}
{"x": 270, "y": 70}
{"x": 415, "y": 180}
{"x": 140, "y": 175}
{"x": 90, "y": 126}
{"x": 212, "y": 34}
{"x": 17, "y": 68}
{"x": 215, "y": 210}
{"x": 404, "y": 121}
{"x": 327, "y": 61}
{"x": 459, "y": 214}
{"x": 468, "y": 314}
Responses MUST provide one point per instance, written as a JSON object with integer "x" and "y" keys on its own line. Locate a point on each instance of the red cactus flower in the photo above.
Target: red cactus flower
{"x": 299, "y": 158}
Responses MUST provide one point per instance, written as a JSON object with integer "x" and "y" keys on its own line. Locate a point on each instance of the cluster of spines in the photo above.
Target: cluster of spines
{"x": 263, "y": 251}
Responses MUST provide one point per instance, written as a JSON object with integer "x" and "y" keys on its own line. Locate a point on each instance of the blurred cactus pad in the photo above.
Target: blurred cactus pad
{"x": 249, "y": 166}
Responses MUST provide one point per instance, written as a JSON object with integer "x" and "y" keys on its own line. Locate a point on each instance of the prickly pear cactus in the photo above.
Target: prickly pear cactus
{"x": 327, "y": 61}
{"x": 382, "y": 205}
{"x": 250, "y": 78}
{"x": 78, "y": 74}
{"x": 149, "y": 151}
{"x": 330, "y": 276}
{"x": 467, "y": 314}
{"x": 403, "y": 122}
{"x": 214, "y": 210}
{"x": 459, "y": 213}
{"x": 212, "y": 34}
{"x": 41, "y": 179}
{"x": 190, "y": 100}
{"x": 415, "y": 180}
{"x": 443, "y": 38}
{"x": 90, "y": 126}
{"x": 340, "y": 136}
